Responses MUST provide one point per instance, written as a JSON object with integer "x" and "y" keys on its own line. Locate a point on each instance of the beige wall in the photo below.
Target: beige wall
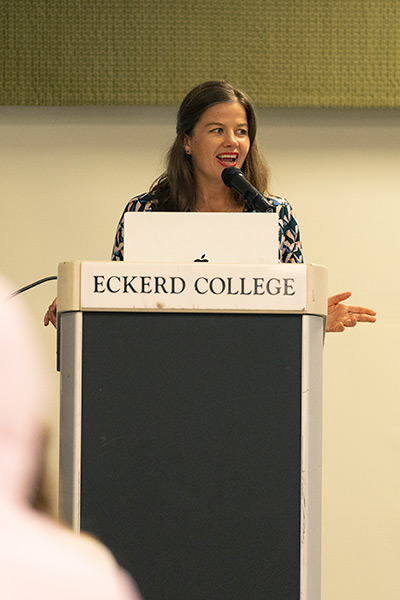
{"x": 66, "y": 174}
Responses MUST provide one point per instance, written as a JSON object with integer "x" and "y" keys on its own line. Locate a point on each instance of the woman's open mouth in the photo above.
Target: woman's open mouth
{"x": 228, "y": 159}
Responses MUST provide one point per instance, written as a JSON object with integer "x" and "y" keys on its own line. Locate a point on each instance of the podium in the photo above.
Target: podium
{"x": 190, "y": 428}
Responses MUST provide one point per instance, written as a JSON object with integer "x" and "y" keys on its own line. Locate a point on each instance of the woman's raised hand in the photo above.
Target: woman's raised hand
{"x": 342, "y": 315}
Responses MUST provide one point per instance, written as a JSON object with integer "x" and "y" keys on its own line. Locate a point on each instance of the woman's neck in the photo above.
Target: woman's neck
{"x": 217, "y": 198}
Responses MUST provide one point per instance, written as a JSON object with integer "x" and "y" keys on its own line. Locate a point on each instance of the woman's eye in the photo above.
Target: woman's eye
{"x": 216, "y": 130}
{"x": 242, "y": 132}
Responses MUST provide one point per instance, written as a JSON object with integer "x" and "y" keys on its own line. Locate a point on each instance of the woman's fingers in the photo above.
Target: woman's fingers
{"x": 51, "y": 314}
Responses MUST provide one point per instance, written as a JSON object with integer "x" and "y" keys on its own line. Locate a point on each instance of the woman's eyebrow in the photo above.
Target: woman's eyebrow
{"x": 222, "y": 124}
{"x": 212, "y": 123}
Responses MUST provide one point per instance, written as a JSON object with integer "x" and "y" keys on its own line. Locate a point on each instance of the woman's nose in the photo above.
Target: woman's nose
{"x": 230, "y": 139}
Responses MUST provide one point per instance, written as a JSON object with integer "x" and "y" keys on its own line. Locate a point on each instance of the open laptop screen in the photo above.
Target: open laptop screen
{"x": 174, "y": 237}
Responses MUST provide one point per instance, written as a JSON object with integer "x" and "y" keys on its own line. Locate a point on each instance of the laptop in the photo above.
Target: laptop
{"x": 187, "y": 237}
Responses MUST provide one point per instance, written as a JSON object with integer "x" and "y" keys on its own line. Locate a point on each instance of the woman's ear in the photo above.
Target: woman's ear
{"x": 186, "y": 144}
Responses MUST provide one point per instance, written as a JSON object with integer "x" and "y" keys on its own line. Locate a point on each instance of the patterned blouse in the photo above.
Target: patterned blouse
{"x": 289, "y": 234}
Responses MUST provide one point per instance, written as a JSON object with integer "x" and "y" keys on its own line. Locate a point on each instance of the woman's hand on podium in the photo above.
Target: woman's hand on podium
{"x": 342, "y": 315}
{"x": 339, "y": 317}
{"x": 51, "y": 314}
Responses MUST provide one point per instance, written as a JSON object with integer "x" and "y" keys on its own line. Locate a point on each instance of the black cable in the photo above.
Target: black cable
{"x": 31, "y": 285}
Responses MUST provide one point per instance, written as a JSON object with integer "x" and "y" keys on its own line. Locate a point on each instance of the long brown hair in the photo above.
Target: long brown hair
{"x": 175, "y": 189}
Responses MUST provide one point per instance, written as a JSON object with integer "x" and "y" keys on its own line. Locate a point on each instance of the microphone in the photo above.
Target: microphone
{"x": 234, "y": 179}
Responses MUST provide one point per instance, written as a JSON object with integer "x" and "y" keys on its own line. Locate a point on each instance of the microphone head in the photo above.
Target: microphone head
{"x": 229, "y": 174}
{"x": 233, "y": 178}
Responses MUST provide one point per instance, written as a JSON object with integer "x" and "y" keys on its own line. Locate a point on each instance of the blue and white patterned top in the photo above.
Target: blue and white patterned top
{"x": 288, "y": 235}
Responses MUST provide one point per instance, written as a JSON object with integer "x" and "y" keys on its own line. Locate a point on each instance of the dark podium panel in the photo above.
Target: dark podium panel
{"x": 191, "y": 451}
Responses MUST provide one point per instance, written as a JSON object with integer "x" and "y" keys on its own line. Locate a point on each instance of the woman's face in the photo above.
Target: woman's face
{"x": 219, "y": 139}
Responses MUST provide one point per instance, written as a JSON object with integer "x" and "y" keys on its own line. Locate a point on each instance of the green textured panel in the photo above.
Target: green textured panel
{"x": 282, "y": 52}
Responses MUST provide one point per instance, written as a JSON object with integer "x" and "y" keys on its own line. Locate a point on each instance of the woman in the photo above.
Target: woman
{"x": 216, "y": 128}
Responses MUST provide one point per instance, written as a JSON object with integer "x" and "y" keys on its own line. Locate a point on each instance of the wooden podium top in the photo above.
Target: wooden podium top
{"x": 192, "y": 287}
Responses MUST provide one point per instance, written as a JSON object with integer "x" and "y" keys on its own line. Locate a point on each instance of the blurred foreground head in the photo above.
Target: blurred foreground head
{"x": 39, "y": 559}
{"x": 22, "y": 400}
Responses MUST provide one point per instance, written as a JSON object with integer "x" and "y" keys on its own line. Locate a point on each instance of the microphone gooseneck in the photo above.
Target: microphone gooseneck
{"x": 234, "y": 179}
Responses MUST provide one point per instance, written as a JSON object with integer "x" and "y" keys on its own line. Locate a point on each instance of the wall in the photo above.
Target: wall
{"x": 150, "y": 52}
{"x": 66, "y": 174}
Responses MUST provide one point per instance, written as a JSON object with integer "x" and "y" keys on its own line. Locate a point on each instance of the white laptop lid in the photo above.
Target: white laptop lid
{"x": 174, "y": 237}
